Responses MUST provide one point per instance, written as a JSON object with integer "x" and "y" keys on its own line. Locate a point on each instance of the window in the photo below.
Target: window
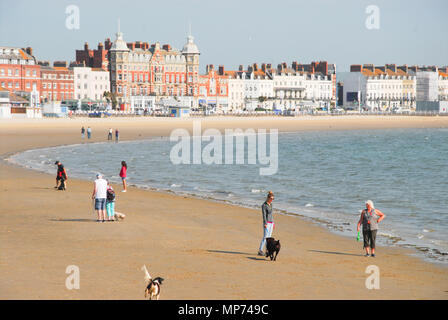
{"x": 44, "y": 86}
{"x": 28, "y": 85}
{"x": 54, "y": 85}
{"x": 17, "y": 72}
{"x": 9, "y": 72}
{"x": 17, "y": 85}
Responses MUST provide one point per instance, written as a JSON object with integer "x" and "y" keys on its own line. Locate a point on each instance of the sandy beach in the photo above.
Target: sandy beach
{"x": 203, "y": 249}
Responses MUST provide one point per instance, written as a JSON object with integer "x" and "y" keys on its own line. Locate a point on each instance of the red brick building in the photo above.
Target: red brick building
{"x": 57, "y": 83}
{"x": 214, "y": 88}
{"x": 137, "y": 69}
{"x": 97, "y": 58}
{"x": 19, "y": 71}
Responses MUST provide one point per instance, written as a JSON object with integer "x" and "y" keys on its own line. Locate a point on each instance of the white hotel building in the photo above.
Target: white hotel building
{"x": 90, "y": 83}
{"x": 380, "y": 88}
{"x": 281, "y": 88}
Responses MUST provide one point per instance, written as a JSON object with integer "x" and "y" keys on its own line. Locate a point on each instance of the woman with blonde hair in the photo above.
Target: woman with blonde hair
{"x": 268, "y": 221}
{"x": 370, "y": 217}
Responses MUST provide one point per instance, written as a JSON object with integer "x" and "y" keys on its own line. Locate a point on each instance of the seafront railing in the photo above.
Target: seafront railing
{"x": 197, "y": 114}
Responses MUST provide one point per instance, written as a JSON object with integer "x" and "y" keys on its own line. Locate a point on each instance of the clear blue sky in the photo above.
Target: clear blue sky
{"x": 232, "y": 32}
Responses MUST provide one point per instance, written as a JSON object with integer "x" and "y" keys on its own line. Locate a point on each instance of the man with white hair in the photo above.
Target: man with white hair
{"x": 100, "y": 195}
{"x": 370, "y": 217}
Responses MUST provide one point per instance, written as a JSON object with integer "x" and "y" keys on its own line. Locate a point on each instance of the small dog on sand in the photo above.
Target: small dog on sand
{"x": 152, "y": 285}
{"x": 119, "y": 216}
{"x": 272, "y": 246}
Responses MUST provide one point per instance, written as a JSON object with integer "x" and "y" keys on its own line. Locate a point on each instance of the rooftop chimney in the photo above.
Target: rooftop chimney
{"x": 86, "y": 46}
{"x": 60, "y": 64}
{"x": 29, "y": 50}
{"x": 295, "y": 66}
{"x": 392, "y": 67}
{"x": 355, "y": 68}
{"x": 221, "y": 70}
{"x": 403, "y": 68}
{"x": 369, "y": 67}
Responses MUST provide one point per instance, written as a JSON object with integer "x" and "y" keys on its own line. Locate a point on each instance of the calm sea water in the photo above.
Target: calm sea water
{"x": 323, "y": 176}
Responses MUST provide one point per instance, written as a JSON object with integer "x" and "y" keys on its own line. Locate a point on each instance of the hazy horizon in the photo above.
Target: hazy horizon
{"x": 231, "y": 33}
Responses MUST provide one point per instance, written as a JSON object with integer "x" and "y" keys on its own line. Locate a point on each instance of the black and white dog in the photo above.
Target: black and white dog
{"x": 272, "y": 246}
{"x": 152, "y": 285}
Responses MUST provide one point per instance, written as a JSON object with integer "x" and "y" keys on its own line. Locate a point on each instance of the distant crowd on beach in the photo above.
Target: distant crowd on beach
{"x": 109, "y": 133}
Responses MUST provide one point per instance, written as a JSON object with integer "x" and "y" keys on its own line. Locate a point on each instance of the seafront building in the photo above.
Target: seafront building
{"x": 214, "y": 89}
{"x": 443, "y": 84}
{"x": 305, "y": 86}
{"x": 137, "y": 69}
{"x": 298, "y": 87}
{"x": 19, "y": 71}
{"x": 392, "y": 87}
{"x": 380, "y": 88}
{"x": 57, "y": 82}
{"x": 90, "y": 83}
{"x": 153, "y": 77}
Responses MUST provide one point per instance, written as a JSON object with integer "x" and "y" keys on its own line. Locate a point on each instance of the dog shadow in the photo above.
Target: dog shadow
{"x": 73, "y": 220}
{"x": 257, "y": 259}
{"x": 240, "y": 253}
{"x": 340, "y": 253}
{"x": 228, "y": 252}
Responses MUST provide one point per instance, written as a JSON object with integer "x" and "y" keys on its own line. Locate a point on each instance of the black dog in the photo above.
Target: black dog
{"x": 272, "y": 246}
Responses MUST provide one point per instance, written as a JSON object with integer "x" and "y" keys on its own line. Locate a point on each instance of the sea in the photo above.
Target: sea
{"x": 322, "y": 176}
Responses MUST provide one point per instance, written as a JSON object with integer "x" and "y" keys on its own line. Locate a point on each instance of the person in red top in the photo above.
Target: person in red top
{"x": 61, "y": 177}
{"x": 124, "y": 168}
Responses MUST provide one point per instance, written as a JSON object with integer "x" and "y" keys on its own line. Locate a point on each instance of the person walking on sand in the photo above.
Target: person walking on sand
{"x": 61, "y": 177}
{"x": 83, "y": 131}
{"x": 370, "y": 217}
{"x": 109, "y": 135}
{"x": 89, "y": 133}
{"x": 123, "y": 174}
{"x": 268, "y": 221}
{"x": 110, "y": 202}
{"x": 116, "y": 135}
{"x": 100, "y": 194}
